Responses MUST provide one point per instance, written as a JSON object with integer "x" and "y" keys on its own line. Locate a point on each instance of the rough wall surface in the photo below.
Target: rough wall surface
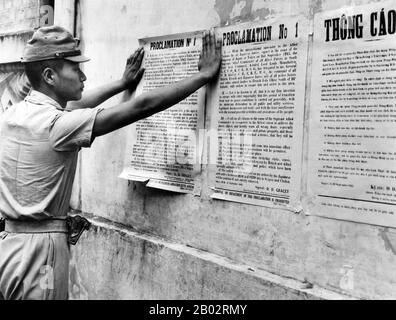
{"x": 348, "y": 258}
{"x": 145, "y": 267}
{"x": 18, "y": 15}
{"x": 18, "y": 19}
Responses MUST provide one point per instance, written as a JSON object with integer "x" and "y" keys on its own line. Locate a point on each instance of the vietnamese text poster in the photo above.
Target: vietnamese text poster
{"x": 352, "y": 140}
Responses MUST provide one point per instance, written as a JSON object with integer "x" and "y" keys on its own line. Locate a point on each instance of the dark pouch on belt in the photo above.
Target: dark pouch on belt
{"x": 2, "y": 224}
{"x": 76, "y": 225}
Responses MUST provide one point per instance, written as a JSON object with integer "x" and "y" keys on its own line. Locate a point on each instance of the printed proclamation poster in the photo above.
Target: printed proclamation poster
{"x": 163, "y": 148}
{"x": 257, "y": 125}
{"x": 352, "y": 140}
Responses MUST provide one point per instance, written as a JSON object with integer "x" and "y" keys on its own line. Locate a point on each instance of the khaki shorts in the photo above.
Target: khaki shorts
{"x": 34, "y": 266}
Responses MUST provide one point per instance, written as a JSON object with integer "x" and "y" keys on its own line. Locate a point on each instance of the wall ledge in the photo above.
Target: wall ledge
{"x": 295, "y": 288}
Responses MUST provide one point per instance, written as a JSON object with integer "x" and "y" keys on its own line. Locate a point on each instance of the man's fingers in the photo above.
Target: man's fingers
{"x": 219, "y": 47}
{"x": 203, "y": 44}
{"x": 139, "y": 75}
{"x": 206, "y": 42}
{"x": 133, "y": 56}
{"x": 212, "y": 39}
{"x": 209, "y": 42}
{"x": 140, "y": 56}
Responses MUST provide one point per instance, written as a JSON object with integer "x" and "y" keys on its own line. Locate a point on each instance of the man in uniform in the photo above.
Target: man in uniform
{"x": 39, "y": 143}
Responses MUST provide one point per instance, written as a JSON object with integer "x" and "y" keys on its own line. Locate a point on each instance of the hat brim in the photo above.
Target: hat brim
{"x": 80, "y": 58}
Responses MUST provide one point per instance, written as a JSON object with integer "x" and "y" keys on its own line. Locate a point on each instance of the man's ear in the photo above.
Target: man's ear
{"x": 49, "y": 76}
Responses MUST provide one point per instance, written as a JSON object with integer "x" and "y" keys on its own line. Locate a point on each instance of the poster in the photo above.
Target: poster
{"x": 164, "y": 149}
{"x": 257, "y": 125}
{"x": 352, "y": 140}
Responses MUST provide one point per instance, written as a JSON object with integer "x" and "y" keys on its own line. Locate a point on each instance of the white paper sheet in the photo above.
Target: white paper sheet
{"x": 164, "y": 148}
{"x": 352, "y": 140}
{"x": 257, "y": 122}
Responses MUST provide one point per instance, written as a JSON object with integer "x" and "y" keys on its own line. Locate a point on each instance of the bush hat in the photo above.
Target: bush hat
{"x": 52, "y": 42}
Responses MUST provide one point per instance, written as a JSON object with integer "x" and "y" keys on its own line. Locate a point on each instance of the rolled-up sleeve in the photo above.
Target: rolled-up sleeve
{"x": 71, "y": 130}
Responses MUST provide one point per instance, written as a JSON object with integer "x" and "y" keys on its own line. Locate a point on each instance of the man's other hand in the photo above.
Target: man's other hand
{"x": 133, "y": 71}
{"x": 210, "y": 57}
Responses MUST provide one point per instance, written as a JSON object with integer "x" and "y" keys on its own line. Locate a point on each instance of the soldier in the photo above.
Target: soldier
{"x": 39, "y": 143}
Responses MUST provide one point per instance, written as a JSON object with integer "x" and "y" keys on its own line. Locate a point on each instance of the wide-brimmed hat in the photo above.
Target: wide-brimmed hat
{"x": 52, "y": 43}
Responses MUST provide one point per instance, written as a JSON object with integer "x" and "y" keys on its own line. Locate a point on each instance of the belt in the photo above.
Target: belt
{"x": 36, "y": 226}
{"x": 73, "y": 226}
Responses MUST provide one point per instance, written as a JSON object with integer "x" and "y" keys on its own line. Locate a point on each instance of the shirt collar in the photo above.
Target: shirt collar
{"x": 40, "y": 98}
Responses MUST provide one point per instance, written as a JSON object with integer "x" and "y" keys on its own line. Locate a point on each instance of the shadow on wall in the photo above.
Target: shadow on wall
{"x": 232, "y": 12}
{"x": 239, "y": 11}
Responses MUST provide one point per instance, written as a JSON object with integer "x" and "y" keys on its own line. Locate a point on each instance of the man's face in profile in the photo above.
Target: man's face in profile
{"x": 69, "y": 81}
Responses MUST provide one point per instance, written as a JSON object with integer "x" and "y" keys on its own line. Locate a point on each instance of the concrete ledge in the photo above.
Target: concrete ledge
{"x": 113, "y": 262}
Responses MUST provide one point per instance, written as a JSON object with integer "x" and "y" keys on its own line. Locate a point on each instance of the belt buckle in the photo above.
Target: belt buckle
{"x": 76, "y": 226}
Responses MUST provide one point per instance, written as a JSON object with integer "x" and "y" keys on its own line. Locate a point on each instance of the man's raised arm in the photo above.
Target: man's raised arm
{"x": 160, "y": 99}
{"x": 130, "y": 79}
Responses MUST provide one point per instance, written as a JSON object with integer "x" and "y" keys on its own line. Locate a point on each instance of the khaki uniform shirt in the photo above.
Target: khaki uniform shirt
{"x": 39, "y": 144}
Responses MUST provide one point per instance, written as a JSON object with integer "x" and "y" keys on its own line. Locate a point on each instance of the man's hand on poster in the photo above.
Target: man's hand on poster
{"x": 210, "y": 57}
{"x": 133, "y": 70}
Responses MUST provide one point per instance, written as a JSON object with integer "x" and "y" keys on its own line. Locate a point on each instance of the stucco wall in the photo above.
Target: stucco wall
{"x": 350, "y": 258}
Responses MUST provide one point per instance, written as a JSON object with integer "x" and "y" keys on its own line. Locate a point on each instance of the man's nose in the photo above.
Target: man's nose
{"x": 82, "y": 76}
